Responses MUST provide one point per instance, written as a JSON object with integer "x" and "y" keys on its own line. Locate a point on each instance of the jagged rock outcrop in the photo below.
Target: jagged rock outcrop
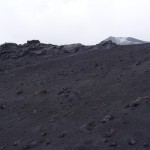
{"x": 108, "y": 44}
{"x": 36, "y": 48}
{"x": 33, "y": 42}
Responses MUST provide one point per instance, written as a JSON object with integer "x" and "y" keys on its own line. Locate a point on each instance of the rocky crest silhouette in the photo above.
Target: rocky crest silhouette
{"x": 74, "y": 97}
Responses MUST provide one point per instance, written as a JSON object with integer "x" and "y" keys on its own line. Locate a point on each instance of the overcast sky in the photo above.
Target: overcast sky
{"x": 73, "y": 21}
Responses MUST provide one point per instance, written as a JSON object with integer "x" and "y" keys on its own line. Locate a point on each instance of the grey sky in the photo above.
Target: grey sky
{"x": 73, "y": 21}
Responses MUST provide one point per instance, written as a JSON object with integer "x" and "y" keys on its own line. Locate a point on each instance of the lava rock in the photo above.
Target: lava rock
{"x": 62, "y": 134}
{"x": 107, "y": 118}
{"x": 33, "y": 42}
{"x": 113, "y": 144}
{"x": 44, "y": 133}
{"x": 136, "y": 102}
{"x": 132, "y": 142}
{"x": 88, "y": 127}
{"x": 104, "y": 140}
{"x": 16, "y": 143}
{"x": 146, "y": 144}
{"x": 19, "y": 92}
{"x": 110, "y": 133}
{"x": 41, "y": 92}
{"x": 2, "y": 147}
{"x": 2, "y": 107}
{"x": 31, "y": 144}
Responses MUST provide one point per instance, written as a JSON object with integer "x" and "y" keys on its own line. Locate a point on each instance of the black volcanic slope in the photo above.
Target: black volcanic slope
{"x": 74, "y": 97}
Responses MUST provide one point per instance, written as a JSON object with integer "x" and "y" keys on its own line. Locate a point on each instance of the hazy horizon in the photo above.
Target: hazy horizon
{"x": 73, "y": 21}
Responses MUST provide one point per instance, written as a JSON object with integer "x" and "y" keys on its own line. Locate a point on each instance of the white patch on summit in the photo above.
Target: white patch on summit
{"x": 124, "y": 40}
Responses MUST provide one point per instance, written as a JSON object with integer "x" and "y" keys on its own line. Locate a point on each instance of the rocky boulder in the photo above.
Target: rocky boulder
{"x": 33, "y": 42}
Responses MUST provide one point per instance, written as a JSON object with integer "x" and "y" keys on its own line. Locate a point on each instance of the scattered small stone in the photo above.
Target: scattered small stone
{"x": 19, "y": 92}
{"x": 136, "y": 102}
{"x": 26, "y": 147}
{"x": 41, "y": 92}
{"x": 146, "y": 144}
{"x": 16, "y": 143}
{"x": 146, "y": 70}
{"x": 88, "y": 127}
{"x": 113, "y": 144}
{"x": 66, "y": 95}
{"x": 62, "y": 134}
{"x": 44, "y": 91}
{"x": 2, "y": 147}
{"x": 132, "y": 142}
{"x": 107, "y": 118}
{"x": 52, "y": 120}
{"x": 61, "y": 92}
{"x": 44, "y": 133}
{"x": 70, "y": 104}
{"x": 65, "y": 114}
{"x": 95, "y": 65}
{"x": 138, "y": 63}
{"x": 34, "y": 111}
{"x": 110, "y": 134}
{"x": 30, "y": 145}
{"x": 104, "y": 140}
{"x": 2, "y": 107}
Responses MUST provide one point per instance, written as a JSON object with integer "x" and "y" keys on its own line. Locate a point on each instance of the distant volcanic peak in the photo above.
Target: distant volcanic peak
{"x": 124, "y": 40}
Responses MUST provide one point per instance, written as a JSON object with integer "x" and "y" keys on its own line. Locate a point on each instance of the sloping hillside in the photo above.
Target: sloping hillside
{"x": 89, "y": 98}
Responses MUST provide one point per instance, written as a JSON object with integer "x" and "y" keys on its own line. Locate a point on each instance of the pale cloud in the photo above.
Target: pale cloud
{"x": 73, "y": 21}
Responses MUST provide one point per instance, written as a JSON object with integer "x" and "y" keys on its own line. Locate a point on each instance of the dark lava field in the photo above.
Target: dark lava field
{"x": 74, "y": 97}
